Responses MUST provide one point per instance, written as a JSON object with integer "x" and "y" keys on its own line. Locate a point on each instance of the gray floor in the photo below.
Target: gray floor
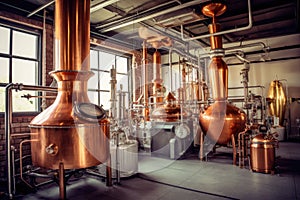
{"x": 189, "y": 178}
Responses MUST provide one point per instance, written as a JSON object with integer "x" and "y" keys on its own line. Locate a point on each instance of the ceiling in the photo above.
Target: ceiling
{"x": 129, "y": 22}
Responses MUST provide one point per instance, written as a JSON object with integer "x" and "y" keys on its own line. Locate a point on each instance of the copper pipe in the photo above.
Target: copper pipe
{"x": 145, "y": 68}
{"x": 157, "y": 81}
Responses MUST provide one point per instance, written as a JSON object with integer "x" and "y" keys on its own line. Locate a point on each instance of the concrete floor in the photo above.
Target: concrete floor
{"x": 189, "y": 178}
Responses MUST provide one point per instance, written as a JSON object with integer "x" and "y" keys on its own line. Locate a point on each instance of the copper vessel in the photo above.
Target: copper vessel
{"x": 262, "y": 153}
{"x": 169, "y": 112}
{"x": 220, "y": 120}
{"x": 71, "y": 131}
{"x": 277, "y": 100}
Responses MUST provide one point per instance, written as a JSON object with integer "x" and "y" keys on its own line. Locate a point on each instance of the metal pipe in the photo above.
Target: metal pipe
{"x": 21, "y": 161}
{"x": 172, "y": 9}
{"x": 130, "y": 18}
{"x": 13, "y": 169}
{"x": 170, "y": 69}
{"x": 8, "y": 121}
{"x": 40, "y": 8}
{"x": 102, "y": 5}
{"x": 222, "y": 32}
{"x": 145, "y": 68}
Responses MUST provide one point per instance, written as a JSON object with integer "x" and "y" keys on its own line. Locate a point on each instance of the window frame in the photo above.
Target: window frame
{"x": 116, "y": 54}
{"x": 32, "y": 31}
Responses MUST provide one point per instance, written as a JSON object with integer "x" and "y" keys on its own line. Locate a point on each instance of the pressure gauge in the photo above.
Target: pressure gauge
{"x": 182, "y": 131}
{"x": 89, "y": 111}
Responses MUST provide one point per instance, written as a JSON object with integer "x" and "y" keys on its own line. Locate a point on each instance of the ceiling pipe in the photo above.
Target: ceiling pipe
{"x": 154, "y": 15}
{"x": 130, "y": 17}
{"x": 102, "y": 5}
{"x": 40, "y": 8}
{"x": 222, "y": 32}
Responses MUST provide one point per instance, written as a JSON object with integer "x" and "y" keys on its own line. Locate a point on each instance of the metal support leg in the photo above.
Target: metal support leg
{"x": 233, "y": 149}
{"x": 201, "y": 146}
{"x": 62, "y": 183}
{"x": 108, "y": 172}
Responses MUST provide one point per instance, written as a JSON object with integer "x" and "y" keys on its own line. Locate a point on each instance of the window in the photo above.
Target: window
{"x": 99, "y": 85}
{"x": 19, "y": 63}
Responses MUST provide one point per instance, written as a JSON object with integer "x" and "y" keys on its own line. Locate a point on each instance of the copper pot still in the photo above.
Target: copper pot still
{"x": 262, "y": 153}
{"x": 220, "y": 120}
{"x": 72, "y": 130}
{"x": 277, "y": 100}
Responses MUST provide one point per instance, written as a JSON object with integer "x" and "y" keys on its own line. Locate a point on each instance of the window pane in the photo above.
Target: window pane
{"x": 94, "y": 59}
{"x": 21, "y": 67}
{"x": 93, "y": 96}
{"x": 122, "y": 79}
{"x": 2, "y": 99}
{"x": 93, "y": 81}
{"x": 106, "y": 61}
{"x": 122, "y": 65}
{"x": 21, "y": 104}
{"x": 104, "y": 81}
{"x": 4, "y": 40}
{"x": 104, "y": 100}
{"x": 24, "y": 45}
{"x": 4, "y": 70}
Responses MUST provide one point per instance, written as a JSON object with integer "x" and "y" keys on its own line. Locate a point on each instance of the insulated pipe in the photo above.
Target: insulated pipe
{"x": 222, "y": 32}
{"x": 8, "y": 122}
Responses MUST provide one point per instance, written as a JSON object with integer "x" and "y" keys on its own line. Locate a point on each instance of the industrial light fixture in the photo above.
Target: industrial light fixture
{"x": 102, "y": 5}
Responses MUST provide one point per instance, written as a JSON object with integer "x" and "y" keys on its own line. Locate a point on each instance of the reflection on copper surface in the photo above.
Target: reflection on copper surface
{"x": 277, "y": 100}
{"x": 63, "y": 135}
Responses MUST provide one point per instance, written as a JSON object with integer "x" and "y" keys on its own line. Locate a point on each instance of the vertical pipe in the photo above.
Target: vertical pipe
{"x": 8, "y": 120}
{"x": 170, "y": 70}
{"x": 145, "y": 68}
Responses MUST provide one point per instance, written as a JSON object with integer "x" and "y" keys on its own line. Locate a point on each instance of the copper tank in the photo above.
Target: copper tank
{"x": 277, "y": 100}
{"x": 220, "y": 120}
{"x": 71, "y": 131}
{"x": 262, "y": 152}
{"x": 157, "y": 81}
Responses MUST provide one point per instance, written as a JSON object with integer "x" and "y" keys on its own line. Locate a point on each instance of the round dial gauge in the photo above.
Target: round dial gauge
{"x": 182, "y": 131}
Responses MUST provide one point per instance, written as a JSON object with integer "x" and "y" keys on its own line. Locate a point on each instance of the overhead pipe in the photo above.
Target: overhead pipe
{"x": 250, "y": 24}
{"x": 172, "y": 9}
{"x": 130, "y": 17}
{"x": 40, "y": 8}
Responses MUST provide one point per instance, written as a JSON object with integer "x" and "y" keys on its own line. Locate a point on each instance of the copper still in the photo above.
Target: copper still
{"x": 170, "y": 111}
{"x": 72, "y": 130}
{"x": 262, "y": 153}
{"x": 277, "y": 100}
{"x": 220, "y": 120}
